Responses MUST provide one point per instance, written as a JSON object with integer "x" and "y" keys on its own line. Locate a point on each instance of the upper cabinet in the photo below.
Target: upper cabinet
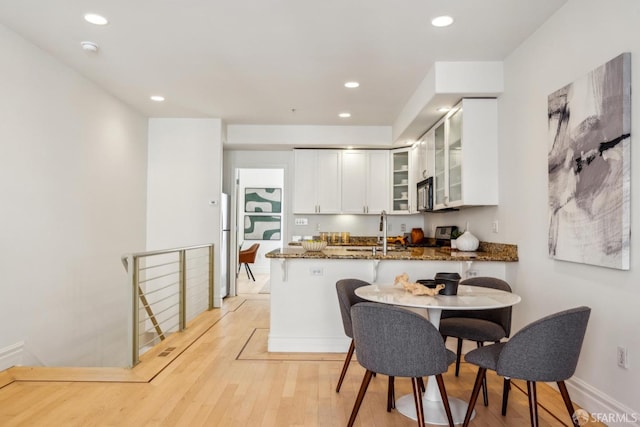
{"x": 365, "y": 181}
{"x": 423, "y": 152}
{"x": 402, "y": 180}
{"x": 317, "y": 186}
{"x": 465, "y": 155}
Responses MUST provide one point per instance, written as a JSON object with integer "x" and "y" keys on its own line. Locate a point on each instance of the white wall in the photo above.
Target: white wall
{"x": 72, "y": 185}
{"x": 184, "y": 184}
{"x": 580, "y": 37}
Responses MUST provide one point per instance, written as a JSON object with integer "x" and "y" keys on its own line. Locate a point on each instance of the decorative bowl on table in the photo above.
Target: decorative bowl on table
{"x": 314, "y": 245}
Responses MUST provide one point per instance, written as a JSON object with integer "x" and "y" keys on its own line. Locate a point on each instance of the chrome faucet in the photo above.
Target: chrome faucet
{"x": 383, "y": 228}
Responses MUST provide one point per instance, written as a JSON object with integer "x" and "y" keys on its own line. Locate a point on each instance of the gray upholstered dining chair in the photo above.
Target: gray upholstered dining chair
{"x": 399, "y": 343}
{"x": 477, "y": 325}
{"x": 545, "y": 350}
{"x": 346, "y": 298}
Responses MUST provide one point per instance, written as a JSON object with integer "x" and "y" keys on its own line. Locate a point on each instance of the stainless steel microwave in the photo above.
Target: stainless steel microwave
{"x": 425, "y": 195}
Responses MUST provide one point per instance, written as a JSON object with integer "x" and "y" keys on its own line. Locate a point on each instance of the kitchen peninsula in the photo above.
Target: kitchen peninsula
{"x": 305, "y": 316}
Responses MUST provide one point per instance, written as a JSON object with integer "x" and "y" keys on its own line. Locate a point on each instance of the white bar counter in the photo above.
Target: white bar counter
{"x": 305, "y": 316}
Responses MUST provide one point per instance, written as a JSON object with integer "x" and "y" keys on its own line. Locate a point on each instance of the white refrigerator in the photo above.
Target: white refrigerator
{"x": 224, "y": 245}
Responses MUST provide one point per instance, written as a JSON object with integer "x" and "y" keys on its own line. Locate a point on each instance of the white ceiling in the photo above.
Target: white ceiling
{"x": 253, "y": 61}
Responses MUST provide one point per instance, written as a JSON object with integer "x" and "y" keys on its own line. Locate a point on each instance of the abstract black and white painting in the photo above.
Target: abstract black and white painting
{"x": 589, "y": 167}
{"x": 263, "y": 200}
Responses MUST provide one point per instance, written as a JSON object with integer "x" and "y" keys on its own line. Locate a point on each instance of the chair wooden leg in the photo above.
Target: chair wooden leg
{"x": 533, "y": 403}
{"x": 421, "y": 383}
{"x": 474, "y": 395}
{"x": 445, "y": 399}
{"x": 363, "y": 389}
{"x": 505, "y": 395}
{"x": 417, "y": 397}
{"x": 567, "y": 401}
{"x": 391, "y": 395}
{"x": 458, "y": 356}
{"x": 345, "y": 366}
{"x": 485, "y": 393}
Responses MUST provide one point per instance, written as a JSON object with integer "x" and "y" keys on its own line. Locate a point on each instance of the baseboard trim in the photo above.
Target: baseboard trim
{"x": 601, "y": 406}
{"x": 11, "y": 355}
{"x": 308, "y": 345}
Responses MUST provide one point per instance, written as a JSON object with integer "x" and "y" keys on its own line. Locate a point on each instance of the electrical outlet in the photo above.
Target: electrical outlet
{"x": 316, "y": 271}
{"x": 472, "y": 273}
{"x": 302, "y": 221}
{"x": 494, "y": 226}
{"x": 623, "y": 360}
{"x": 403, "y": 228}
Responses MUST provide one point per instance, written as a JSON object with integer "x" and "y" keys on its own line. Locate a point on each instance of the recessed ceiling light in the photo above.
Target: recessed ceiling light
{"x": 442, "y": 21}
{"x": 344, "y": 115}
{"x": 157, "y": 98}
{"x": 95, "y": 19}
{"x": 351, "y": 85}
{"x": 443, "y": 109}
{"x": 89, "y": 46}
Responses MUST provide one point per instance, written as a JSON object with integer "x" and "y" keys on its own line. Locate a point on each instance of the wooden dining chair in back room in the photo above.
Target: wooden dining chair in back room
{"x": 246, "y": 257}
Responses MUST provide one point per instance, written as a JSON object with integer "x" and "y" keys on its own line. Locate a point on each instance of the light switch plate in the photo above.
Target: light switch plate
{"x": 302, "y": 221}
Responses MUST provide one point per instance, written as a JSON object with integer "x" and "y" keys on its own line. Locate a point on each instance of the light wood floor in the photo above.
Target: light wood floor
{"x": 219, "y": 374}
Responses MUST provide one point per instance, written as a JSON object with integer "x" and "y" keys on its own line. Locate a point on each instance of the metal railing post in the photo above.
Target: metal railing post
{"x": 136, "y": 301}
{"x": 183, "y": 290}
{"x": 211, "y": 289}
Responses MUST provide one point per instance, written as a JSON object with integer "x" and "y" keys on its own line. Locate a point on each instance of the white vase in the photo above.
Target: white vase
{"x": 467, "y": 242}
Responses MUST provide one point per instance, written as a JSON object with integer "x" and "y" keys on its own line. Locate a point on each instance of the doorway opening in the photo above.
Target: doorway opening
{"x": 259, "y": 216}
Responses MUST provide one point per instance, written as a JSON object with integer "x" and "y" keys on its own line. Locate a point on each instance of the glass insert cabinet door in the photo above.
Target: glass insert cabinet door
{"x": 439, "y": 166}
{"x": 454, "y": 147}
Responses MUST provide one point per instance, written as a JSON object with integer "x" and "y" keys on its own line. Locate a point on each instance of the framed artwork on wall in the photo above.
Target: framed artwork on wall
{"x": 590, "y": 167}
{"x": 262, "y": 227}
{"x": 268, "y": 200}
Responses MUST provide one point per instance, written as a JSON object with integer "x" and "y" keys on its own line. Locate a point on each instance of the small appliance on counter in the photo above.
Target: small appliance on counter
{"x": 444, "y": 233}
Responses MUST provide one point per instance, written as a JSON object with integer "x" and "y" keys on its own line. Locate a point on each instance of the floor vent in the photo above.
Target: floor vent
{"x": 166, "y": 351}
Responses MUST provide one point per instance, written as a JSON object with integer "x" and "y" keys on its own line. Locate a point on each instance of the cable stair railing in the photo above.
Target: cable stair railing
{"x": 169, "y": 288}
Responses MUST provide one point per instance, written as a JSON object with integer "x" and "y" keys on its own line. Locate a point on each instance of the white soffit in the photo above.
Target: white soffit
{"x": 445, "y": 84}
{"x": 307, "y": 136}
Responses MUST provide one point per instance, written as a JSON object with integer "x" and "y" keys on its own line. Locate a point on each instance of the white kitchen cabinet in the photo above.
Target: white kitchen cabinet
{"x": 402, "y": 180}
{"x": 365, "y": 181}
{"x": 466, "y": 155}
{"x": 317, "y": 186}
{"x": 424, "y": 157}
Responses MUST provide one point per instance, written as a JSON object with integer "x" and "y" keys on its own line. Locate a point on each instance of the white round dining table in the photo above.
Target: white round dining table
{"x": 468, "y": 298}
